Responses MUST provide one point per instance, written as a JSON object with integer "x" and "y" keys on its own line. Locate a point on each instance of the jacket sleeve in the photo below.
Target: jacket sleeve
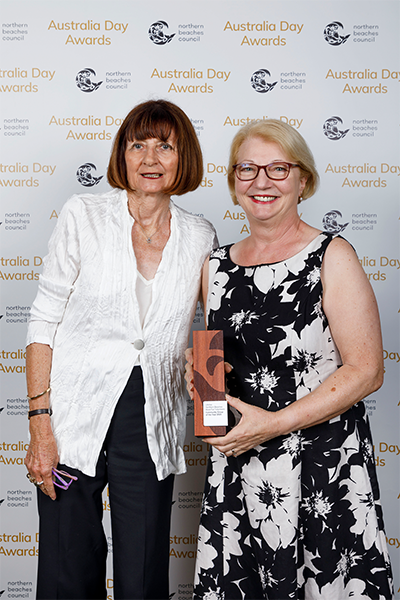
{"x": 61, "y": 268}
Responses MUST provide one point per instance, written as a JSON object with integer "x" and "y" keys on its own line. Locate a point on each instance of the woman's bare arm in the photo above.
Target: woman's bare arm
{"x": 42, "y": 454}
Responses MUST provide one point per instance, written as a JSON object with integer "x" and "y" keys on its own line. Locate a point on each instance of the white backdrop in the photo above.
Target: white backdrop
{"x": 70, "y": 71}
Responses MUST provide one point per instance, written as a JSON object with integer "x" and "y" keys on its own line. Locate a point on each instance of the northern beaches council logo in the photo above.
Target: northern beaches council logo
{"x": 84, "y": 81}
{"x": 158, "y": 35}
{"x": 333, "y": 129}
{"x": 333, "y": 34}
{"x": 85, "y": 175}
{"x": 330, "y": 222}
{"x": 259, "y": 81}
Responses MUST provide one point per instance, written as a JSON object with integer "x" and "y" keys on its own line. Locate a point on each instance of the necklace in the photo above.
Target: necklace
{"x": 148, "y": 237}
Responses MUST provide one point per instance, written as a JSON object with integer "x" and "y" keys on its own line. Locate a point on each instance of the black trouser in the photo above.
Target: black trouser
{"x": 72, "y": 544}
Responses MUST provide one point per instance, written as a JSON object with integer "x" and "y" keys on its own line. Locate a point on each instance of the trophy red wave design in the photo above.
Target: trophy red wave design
{"x": 210, "y": 406}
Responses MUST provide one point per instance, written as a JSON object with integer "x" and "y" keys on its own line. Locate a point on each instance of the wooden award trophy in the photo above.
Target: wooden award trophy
{"x": 210, "y": 406}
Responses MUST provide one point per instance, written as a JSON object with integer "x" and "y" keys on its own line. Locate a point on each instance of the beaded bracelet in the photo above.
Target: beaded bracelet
{"x": 39, "y": 395}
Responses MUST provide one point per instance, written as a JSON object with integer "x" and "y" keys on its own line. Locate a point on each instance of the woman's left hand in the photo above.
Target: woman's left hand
{"x": 256, "y": 426}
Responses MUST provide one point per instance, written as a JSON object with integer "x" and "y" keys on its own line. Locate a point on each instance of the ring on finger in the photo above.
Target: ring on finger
{"x": 233, "y": 452}
{"x": 31, "y": 479}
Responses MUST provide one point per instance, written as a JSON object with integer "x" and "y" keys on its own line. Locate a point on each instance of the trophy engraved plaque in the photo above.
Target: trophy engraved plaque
{"x": 210, "y": 406}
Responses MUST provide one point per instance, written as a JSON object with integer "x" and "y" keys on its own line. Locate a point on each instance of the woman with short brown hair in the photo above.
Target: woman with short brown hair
{"x": 105, "y": 356}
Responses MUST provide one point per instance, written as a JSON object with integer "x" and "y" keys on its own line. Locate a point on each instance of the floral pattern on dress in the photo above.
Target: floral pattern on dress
{"x": 297, "y": 517}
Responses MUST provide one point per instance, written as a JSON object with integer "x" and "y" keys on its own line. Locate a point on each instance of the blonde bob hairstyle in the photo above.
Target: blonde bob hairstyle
{"x": 158, "y": 119}
{"x": 289, "y": 140}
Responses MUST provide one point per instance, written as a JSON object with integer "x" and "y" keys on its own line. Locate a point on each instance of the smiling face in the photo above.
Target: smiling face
{"x": 151, "y": 165}
{"x": 262, "y": 198}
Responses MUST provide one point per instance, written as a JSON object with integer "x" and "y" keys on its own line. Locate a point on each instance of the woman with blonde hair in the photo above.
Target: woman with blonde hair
{"x": 291, "y": 505}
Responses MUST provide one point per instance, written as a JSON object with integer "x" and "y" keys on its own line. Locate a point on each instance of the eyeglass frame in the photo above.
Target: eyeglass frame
{"x": 265, "y": 167}
{"x": 64, "y": 485}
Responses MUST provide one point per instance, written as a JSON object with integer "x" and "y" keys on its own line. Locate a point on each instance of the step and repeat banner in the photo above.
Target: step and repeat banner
{"x": 69, "y": 73}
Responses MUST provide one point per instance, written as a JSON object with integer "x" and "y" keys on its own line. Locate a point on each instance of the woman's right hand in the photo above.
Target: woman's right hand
{"x": 42, "y": 454}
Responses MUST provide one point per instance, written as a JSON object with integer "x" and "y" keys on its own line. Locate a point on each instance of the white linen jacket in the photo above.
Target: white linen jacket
{"x": 87, "y": 311}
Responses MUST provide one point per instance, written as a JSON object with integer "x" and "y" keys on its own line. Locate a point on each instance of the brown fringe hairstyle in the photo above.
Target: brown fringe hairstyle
{"x": 158, "y": 119}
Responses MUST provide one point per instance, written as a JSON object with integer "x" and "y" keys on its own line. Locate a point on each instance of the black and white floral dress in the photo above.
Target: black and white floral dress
{"x": 299, "y": 516}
